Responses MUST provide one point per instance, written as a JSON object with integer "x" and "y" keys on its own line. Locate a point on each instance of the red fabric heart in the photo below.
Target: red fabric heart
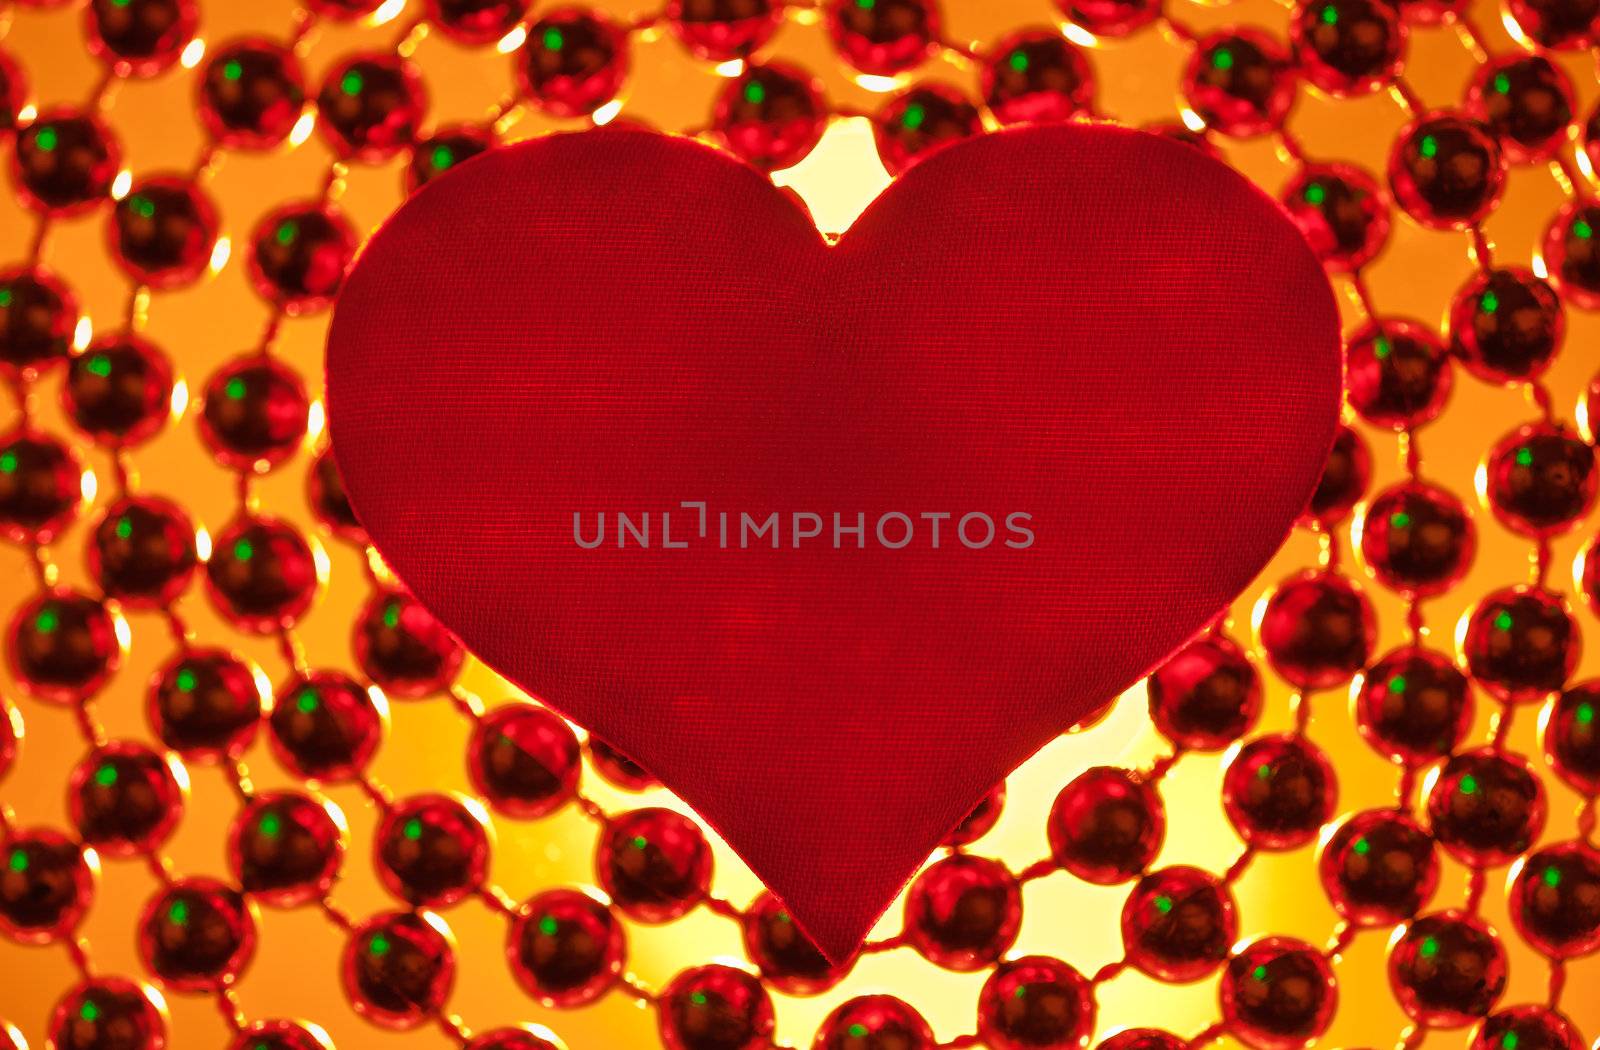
{"x": 1107, "y": 331}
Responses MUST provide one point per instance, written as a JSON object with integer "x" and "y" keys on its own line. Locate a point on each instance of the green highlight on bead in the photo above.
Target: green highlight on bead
{"x": 1397, "y": 684}
{"x": 1362, "y": 847}
{"x": 1315, "y": 193}
{"x": 286, "y": 232}
{"x": 391, "y": 614}
{"x": 47, "y": 139}
{"x": 1469, "y": 785}
{"x": 124, "y": 527}
{"x": 1552, "y": 876}
{"x": 179, "y": 913}
{"x": 187, "y": 680}
{"x": 1584, "y": 714}
{"x": 1509, "y": 1041}
{"x": 8, "y": 462}
{"x": 548, "y": 926}
{"x": 1018, "y": 60}
{"x": 1502, "y": 84}
{"x": 866, "y": 5}
{"x": 89, "y": 1011}
{"x": 1429, "y": 146}
{"x": 755, "y": 92}
{"x": 244, "y": 550}
{"x": 698, "y": 998}
{"x": 47, "y": 621}
{"x": 412, "y": 829}
{"x": 307, "y": 701}
{"x": 1382, "y": 347}
{"x": 379, "y": 945}
{"x": 1259, "y": 973}
{"x": 1430, "y": 947}
{"x": 1222, "y": 59}
{"x": 18, "y": 861}
{"x": 441, "y": 158}
{"x": 235, "y": 389}
{"x": 270, "y": 825}
{"x": 1399, "y": 519}
{"x": 351, "y": 83}
{"x": 1582, "y": 230}
{"x": 553, "y": 39}
{"x": 1163, "y": 904}
{"x": 1524, "y": 457}
{"x": 1502, "y": 621}
{"x": 857, "y": 1031}
{"x": 5, "y": 297}
{"x": 640, "y": 842}
{"x": 99, "y": 365}
{"x": 1330, "y": 15}
{"x": 106, "y": 775}
{"x": 232, "y": 70}
{"x": 1489, "y": 303}
{"x": 914, "y": 117}
{"x": 142, "y": 206}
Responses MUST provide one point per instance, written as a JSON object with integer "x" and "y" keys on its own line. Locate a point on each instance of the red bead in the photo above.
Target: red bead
{"x": 41, "y": 486}
{"x": 1555, "y": 899}
{"x": 343, "y": 10}
{"x": 13, "y": 94}
{"x": 1486, "y": 807}
{"x": 1106, "y": 826}
{"x": 1430, "y": 12}
{"x": 1278, "y": 791}
{"x": 1526, "y": 1028}
{"x": 126, "y": 799}
{"x": 1348, "y": 47}
{"x": 206, "y": 704}
{"x": 475, "y": 22}
{"x": 1036, "y": 76}
{"x": 10, "y": 736}
{"x": 979, "y": 820}
{"x": 38, "y": 316}
{"x": 1206, "y": 696}
{"x": 401, "y": 647}
{"x": 444, "y": 150}
{"x": 1540, "y": 479}
{"x": 1178, "y": 923}
{"x": 142, "y": 551}
{"x": 524, "y": 761}
{"x": 1142, "y": 1039}
{"x": 1110, "y": 18}
{"x": 108, "y": 1013}
{"x": 1447, "y": 969}
{"x": 325, "y": 492}
{"x": 1317, "y": 629}
{"x": 1446, "y": 171}
{"x": 299, "y": 254}
{"x": 771, "y": 116}
{"x": 1506, "y": 326}
{"x": 370, "y": 106}
{"x": 565, "y": 948}
{"x": 46, "y": 885}
{"x": 62, "y": 646}
{"x": 1278, "y": 993}
{"x": 431, "y": 850}
{"x": 1397, "y": 374}
{"x": 398, "y": 968}
{"x": 63, "y": 163}
{"x": 963, "y": 912}
{"x": 1240, "y": 82}
{"x": 1571, "y": 736}
{"x": 140, "y": 37}
{"x": 618, "y": 769}
{"x": 1036, "y": 1003}
{"x": 1379, "y": 867}
{"x": 788, "y": 961}
{"x": 251, "y": 94}
{"x": 279, "y": 1035}
{"x": 325, "y": 726}
{"x": 1520, "y": 643}
{"x": 1572, "y": 252}
{"x": 162, "y": 231}
{"x": 874, "y": 1022}
{"x": 715, "y": 1008}
{"x": 1417, "y": 539}
{"x": 883, "y": 37}
{"x": 1527, "y": 102}
{"x": 1341, "y": 210}
{"x": 119, "y": 390}
{"x": 519, "y": 1038}
{"x": 921, "y": 120}
{"x": 1565, "y": 25}
{"x": 722, "y": 30}
{"x": 197, "y": 935}
{"x": 285, "y": 848}
{"x": 574, "y": 62}
{"x": 1413, "y": 706}
{"x": 654, "y": 863}
{"x": 262, "y": 574}
{"x": 1344, "y": 479}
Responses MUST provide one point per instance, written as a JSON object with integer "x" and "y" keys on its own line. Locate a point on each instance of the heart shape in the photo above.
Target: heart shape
{"x": 1103, "y": 330}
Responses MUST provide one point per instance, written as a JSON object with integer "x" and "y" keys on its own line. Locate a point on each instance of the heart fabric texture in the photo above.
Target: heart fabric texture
{"x": 1107, "y": 345}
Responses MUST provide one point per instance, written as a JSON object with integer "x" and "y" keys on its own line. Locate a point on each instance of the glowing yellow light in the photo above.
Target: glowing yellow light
{"x": 121, "y": 184}
{"x": 606, "y": 113}
{"x": 879, "y": 85}
{"x": 180, "y": 398}
{"x": 512, "y": 40}
{"x": 88, "y": 486}
{"x": 302, "y": 127}
{"x": 1192, "y": 120}
{"x": 26, "y": 114}
{"x": 316, "y": 418}
{"x": 1078, "y": 35}
{"x": 840, "y": 177}
{"x": 202, "y": 543}
{"x": 732, "y": 68}
{"x": 386, "y": 12}
{"x": 192, "y": 54}
{"x": 83, "y": 334}
{"x": 219, "y": 254}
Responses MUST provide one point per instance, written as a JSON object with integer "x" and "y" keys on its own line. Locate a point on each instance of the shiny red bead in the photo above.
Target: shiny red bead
{"x": 979, "y": 820}
{"x": 1110, "y": 18}
{"x": 715, "y": 1008}
{"x": 655, "y": 864}
{"x": 285, "y": 848}
{"x": 1106, "y": 826}
{"x": 125, "y": 799}
{"x": 788, "y": 961}
{"x": 1447, "y": 969}
{"x": 1206, "y": 696}
{"x": 63, "y": 646}
{"x": 119, "y": 390}
{"x": 1572, "y": 252}
{"x": 38, "y": 317}
{"x": 262, "y": 574}
{"x": 41, "y": 486}
{"x": 524, "y": 761}
{"x": 1348, "y": 47}
{"x": 618, "y": 769}
{"x": 251, "y": 94}
{"x": 10, "y": 736}
{"x": 1446, "y": 171}
{"x": 431, "y": 850}
{"x": 1379, "y": 867}
{"x": 475, "y": 22}
{"x": 279, "y": 1035}
{"x": 1036, "y": 1003}
{"x": 1486, "y": 807}
{"x": 874, "y": 1022}
{"x": 1397, "y": 374}
{"x": 401, "y": 647}
{"x": 1344, "y": 479}
{"x": 1570, "y": 734}
{"x": 1341, "y": 210}
{"x": 299, "y": 254}
{"x": 1317, "y": 629}
{"x": 1417, "y": 539}
{"x": 722, "y": 30}
{"x": 565, "y": 948}
{"x": 398, "y": 968}
{"x": 1413, "y": 706}
{"x": 1555, "y": 899}
{"x": 1240, "y": 82}
{"x": 1540, "y": 479}
{"x": 444, "y": 150}
{"x": 325, "y": 492}
{"x": 108, "y": 1013}
{"x": 963, "y": 912}
{"x": 206, "y": 704}
{"x": 370, "y": 106}
{"x": 523, "y": 1037}
{"x": 1527, "y": 102}
{"x": 162, "y": 231}
{"x": 140, "y": 38}
{"x": 1565, "y": 25}
{"x": 46, "y": 885}
{"x": 573, "y": 63}
{"x": 63, "y": 163}
{"x": 883, "y": 37}
{"x": 325, "y": 726}
{"x": 1506, "y": 326}
{"x": 197, "y": 935}
{"x": 920, "y": 121}
{"x": 142, "y": 551}
{"x": 1526, "y": 1028}
{"x": 1278, "y": 791}
{"x": 1178, "y": 924}
{"x": 1278, "y": 993}
{"x": 1036, "y": 76}
{"x": 1521, "y": 643}
{"x": 771, "y": 116}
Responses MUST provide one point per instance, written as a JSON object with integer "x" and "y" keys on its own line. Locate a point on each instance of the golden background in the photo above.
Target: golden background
{"x": 294, "y": 973}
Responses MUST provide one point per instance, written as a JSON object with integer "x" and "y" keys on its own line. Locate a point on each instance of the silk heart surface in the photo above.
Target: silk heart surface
{"x": 831, "y": 537}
